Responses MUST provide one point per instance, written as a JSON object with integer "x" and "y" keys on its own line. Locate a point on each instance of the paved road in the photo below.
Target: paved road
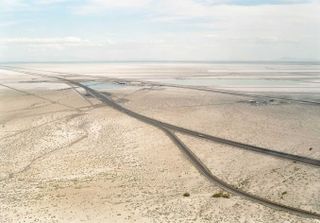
{"x": 168, "y": 128}
{"x": 222, "y": 184}
{"x": 236, "y": 93}
{"x": 198, "y": 88}
{"x": 234, "y": 144}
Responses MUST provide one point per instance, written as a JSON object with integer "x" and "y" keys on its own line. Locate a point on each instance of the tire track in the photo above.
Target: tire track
{"x": 202, "y": 168}
{"x": 167, "y": 128}
{"x": 196, "y": 161}
{"x": 40, "y": 97}
{"x": 28, "y": 166}
{"x": 41, "y": 125}
{"x": 234, "y": 144}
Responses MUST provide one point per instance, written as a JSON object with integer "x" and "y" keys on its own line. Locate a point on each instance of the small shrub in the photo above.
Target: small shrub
{"x": 221, "y": 194}
{"x": 186, "y": 194}
{"x": 283, "y": 193}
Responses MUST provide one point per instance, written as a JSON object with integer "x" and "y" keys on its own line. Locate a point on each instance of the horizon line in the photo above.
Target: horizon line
{"x": 164, "y": 61}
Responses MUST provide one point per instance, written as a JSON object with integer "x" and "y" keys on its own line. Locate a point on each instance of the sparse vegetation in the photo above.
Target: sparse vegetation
{"x": 283, "y": 193}
{"x": 186, "y": 194}
{"x": 221, "y": 194}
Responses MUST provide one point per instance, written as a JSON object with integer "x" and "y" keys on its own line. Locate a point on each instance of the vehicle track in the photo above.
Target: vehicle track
{"x": 167, "y": 128}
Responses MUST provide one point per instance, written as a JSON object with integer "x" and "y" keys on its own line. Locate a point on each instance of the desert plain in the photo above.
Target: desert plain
{"x": 66, "y": 156}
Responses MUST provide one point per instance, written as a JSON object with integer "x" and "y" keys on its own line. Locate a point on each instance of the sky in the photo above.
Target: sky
{"x": 166, "y": 30}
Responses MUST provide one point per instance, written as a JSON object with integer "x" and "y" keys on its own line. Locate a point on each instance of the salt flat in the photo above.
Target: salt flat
{"x": 66, "y": 157}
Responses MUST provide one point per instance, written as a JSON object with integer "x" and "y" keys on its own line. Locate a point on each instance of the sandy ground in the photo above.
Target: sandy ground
{"x": 65, "y": 157}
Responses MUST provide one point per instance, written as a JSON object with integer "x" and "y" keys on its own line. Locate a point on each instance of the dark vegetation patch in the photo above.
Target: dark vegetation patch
{"x": 186, "y": 194}
{"x": 221, "y": 194}
{"x": 283, "y": 193}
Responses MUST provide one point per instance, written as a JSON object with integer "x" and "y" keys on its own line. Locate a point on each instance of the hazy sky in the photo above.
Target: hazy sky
{"x": 76, "y": 30}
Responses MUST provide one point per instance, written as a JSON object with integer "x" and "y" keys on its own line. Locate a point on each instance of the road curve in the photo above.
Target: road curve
{"x": 222, "y": 184}
{"x": 232, "y": 143}
{"x": 194, "y": 159}
{"x": 278, "y": 154}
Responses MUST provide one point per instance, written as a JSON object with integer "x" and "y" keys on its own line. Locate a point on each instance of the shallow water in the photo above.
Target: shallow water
{"x": 102, "y": 85}
{"x": 228, "y": 82}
